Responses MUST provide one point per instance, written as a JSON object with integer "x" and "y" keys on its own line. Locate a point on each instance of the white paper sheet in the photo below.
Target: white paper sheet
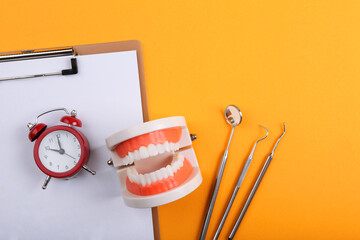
{"x": 106, "y": 95}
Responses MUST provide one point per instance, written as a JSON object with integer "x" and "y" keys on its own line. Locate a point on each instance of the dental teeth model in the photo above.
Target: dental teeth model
{"x": 155, "y": 162}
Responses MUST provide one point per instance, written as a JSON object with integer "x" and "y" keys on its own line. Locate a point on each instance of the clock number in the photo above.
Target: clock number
{"x": 66, "y": 167}
{"x": 58, "y": 167}
{"x": 75, "y": 162}
{"x": 47, "y": 147}
{"x": 50, "y": 163}
{"x": 79, "y": 154}
{"x": 67, "y": 135}
{"x": 74, "y": 139}
{"x": 78, "y": 146}
{"x": 46, "y": 156}
{"x": 51, "y": 140}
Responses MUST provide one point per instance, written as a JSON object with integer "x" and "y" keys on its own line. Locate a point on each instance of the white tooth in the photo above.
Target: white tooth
{"x": 130, "y": 160}
{"x": 158, "y": 175}
{"x": 148, "y": 178}
{"x": 134, "y": 178}
{"x": 122, "y": 161}
{"x": 181, "y": 163}
{"x": 129, "y": 174}
{"x": 130, "y": 177}
{"x": 169, "y": 170}
{"x": 167, "y": 146}
{"x": 152, "y": 150}
{"x": 171, "y": 146}
{"x": 160, "y": 148}
{"x": 177, "y": 146}
{"x": 135, "y": 175}
{"x": 164, "y": 173}
{"x": 142, "y": 180}
{"x": 131, "y": 157}
{"x": 127, "y": 160}
{"x": 153, "y": 177}
{"x": 136, "y": 155}
{"x": 173, "y": 167}
{"x": 144, "y": 152}
{"x": 137, "y": 179}
{"x": 177, "y": 165}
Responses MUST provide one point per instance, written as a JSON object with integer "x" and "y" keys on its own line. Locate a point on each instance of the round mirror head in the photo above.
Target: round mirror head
{"x": 233, "y": 115}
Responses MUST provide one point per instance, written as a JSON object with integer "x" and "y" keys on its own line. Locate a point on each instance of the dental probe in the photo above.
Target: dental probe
{"x": 255, "y": 187}
{"x": 238, "y": 184}
{"x": 233, "y": 116}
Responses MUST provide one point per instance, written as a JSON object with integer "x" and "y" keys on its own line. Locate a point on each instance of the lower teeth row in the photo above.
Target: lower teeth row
{"x": 157, "y": 175}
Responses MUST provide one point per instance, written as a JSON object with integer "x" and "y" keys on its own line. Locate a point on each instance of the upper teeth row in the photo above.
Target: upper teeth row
{"x": 149, "y": 151}
{"x": 162, "y": 173}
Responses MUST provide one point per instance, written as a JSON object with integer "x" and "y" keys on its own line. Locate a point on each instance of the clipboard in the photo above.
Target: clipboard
{"x": 82, "y": 50}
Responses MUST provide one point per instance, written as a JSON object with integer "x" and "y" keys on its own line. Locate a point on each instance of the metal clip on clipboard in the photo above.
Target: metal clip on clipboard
{"x": 36, "y": 54}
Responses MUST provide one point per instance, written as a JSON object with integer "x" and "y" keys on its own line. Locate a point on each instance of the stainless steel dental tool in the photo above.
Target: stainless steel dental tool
{"x": 238, "y": 184}
{"x": 255, "y": 187}
{"x": 233, "y": 116}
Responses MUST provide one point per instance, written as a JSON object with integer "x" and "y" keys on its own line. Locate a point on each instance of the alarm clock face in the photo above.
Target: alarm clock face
{"x": 59, "y": 151}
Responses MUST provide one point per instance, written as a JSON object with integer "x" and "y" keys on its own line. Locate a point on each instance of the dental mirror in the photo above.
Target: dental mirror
{"x": 233, "y": 116}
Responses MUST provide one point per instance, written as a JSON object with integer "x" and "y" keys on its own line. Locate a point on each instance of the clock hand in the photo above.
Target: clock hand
{"x": 55, "y": 150}
{"x": 69, "y": 155}
{"x": 58, "y": 140}
{"x": 61, "y": 151}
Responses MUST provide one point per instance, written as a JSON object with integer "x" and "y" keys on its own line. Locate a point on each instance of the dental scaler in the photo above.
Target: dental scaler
{"x": 255, "y": 187}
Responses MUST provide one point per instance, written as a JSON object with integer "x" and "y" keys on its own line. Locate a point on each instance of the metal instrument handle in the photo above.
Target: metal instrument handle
{"x": 216, "y": 189}
{"x": 250, "y": 197}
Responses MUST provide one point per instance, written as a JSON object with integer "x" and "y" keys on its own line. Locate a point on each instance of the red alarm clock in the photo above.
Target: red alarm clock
{"x": 60, "y": 151}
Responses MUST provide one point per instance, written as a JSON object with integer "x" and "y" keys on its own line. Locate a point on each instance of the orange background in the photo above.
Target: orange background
{"x": 279, "y": 61}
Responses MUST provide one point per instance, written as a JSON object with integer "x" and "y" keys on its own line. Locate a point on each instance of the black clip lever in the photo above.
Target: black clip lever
{"x": 73, "y": 70}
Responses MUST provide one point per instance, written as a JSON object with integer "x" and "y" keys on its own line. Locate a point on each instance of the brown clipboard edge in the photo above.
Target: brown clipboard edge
{"x": 120, "y": 47}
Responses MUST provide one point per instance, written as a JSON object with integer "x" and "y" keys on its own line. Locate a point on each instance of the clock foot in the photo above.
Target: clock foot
{"x": 88, "y": 169}
{"x": 47, "y": 179}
